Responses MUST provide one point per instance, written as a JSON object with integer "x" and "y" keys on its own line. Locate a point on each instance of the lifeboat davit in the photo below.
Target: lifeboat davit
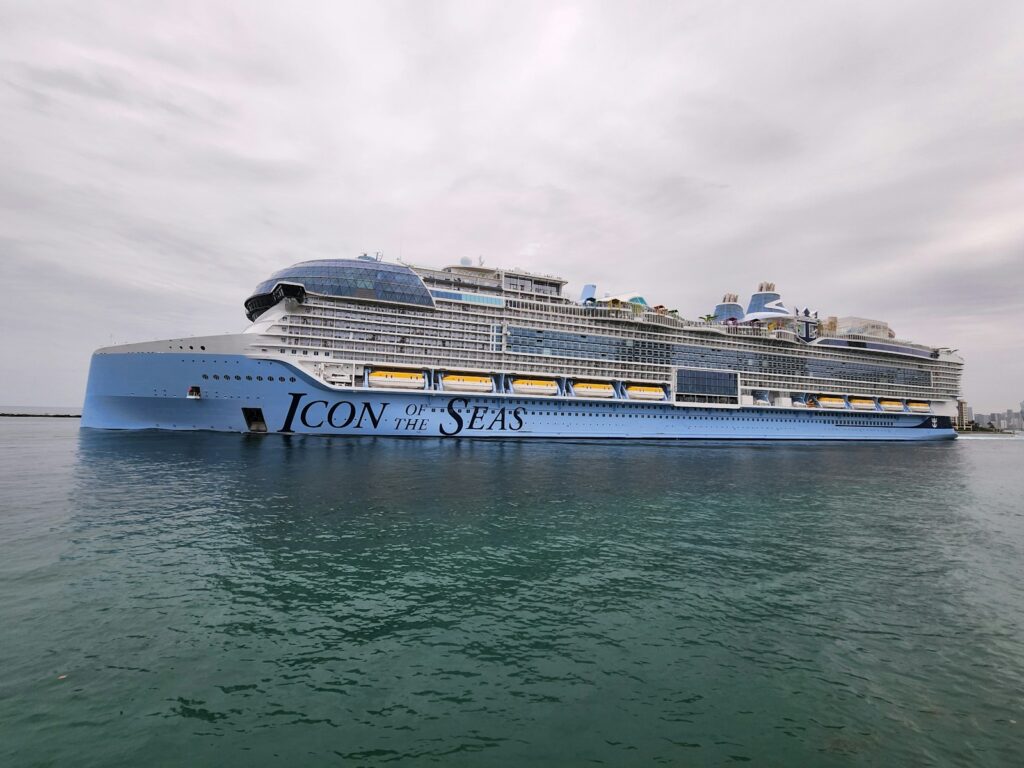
{"x": 534, "y": 386}
{"x": 593, "y": 389}
{"x": 862, "y": 403}
{"x": 642, "y": 392}
{"x": 831, "y": 402}
{"x": 891, "y": 405}
{"x": 919, "y": 406}
{"x": 397, "y": 380}
{"x": 458, "y": 382}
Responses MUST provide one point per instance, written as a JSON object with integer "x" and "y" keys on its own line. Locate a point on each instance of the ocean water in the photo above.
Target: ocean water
{"x": 221, "y": 600}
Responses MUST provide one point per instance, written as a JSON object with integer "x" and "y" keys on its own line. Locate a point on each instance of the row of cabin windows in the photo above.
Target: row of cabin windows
{"x": 565, "y": 314}
{"x": 228, "y": 377}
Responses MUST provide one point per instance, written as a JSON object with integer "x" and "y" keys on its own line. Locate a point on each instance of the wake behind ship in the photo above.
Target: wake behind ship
{"x": 366, "y": 347}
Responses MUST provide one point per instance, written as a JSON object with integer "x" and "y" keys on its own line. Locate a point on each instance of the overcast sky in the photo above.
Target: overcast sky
{"x": 161, "y": 159}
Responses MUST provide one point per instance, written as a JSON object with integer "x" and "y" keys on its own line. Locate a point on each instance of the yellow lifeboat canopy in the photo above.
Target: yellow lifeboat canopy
{"x": 862, "y": 403}
{"x": 829, "y": 401}
{"x": 593, "y": 389}
{"x": 534, "y": 386}
{"x": 460, "y": 382}
{"x": 397, "y": 379}
{"x": 891, "y": 405}
{"x": 644, "y": 392}
{"x": 919, "y": 406}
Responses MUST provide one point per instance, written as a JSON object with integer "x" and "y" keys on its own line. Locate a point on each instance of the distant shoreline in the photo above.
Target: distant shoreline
{"x": 41, "y": 415}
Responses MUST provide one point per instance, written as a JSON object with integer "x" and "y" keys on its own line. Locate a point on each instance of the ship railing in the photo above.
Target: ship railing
{"x": 876, "y": 339}
{"x": 454, "y": 277}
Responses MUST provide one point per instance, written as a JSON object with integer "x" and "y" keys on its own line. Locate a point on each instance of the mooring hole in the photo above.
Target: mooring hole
{"x": 254, "y": 420}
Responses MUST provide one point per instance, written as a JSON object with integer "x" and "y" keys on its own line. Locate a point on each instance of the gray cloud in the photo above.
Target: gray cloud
{"x": 158, "y": 161}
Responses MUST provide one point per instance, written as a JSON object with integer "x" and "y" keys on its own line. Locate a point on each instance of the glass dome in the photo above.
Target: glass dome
{"x": 352, "y": 278}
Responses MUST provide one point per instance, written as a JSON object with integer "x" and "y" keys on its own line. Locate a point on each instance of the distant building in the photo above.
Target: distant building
{"x": 963, "y": 420}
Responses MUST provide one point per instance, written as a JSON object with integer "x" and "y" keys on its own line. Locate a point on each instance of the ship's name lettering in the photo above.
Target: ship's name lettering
{"x": 340, "y": 415}
{"x": 481, "y": 418}
{"x": 459, "y": 417}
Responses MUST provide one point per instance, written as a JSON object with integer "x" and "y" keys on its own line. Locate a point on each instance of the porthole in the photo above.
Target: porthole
{"x": 206, "y": 375}
{"x": 202, "y": 347}
{"x": 259, "y": 378}
{"x": 291, "y": 378}
{"x": 280, "y": 378}
{"x": 216, "y": 376}
{"x": 237, "y": 377}
{"x": 248, "y": 378}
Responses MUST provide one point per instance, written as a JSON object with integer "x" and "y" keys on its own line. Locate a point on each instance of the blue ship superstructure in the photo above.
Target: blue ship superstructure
{"x": 365, "y": 347}
{"x": 729, "y": 310}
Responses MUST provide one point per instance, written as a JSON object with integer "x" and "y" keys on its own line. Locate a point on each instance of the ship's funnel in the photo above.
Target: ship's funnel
{"x": 766, "y": 304}
{"x": 729, "y": 309}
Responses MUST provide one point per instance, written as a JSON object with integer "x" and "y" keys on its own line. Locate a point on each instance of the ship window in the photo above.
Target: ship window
{"x": 201, "y": 346}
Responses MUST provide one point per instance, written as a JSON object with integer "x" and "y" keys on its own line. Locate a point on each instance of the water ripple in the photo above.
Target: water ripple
{"x": 220, "y": 600}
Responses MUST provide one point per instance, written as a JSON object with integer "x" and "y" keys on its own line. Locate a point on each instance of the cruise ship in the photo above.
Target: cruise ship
{"x": 367, "y": 347}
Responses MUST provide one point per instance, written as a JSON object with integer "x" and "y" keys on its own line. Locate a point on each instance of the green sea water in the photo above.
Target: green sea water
{"x": 221, "y": 600}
